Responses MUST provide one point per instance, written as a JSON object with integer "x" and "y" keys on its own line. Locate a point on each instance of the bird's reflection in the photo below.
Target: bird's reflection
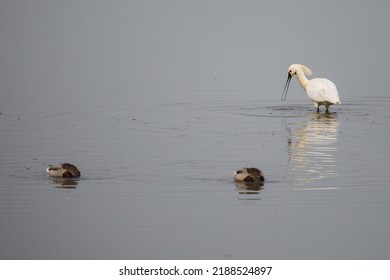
{"x": 311, "y": 148}
{"x": 65, "y": 183}
{"x": 248, "y": 187}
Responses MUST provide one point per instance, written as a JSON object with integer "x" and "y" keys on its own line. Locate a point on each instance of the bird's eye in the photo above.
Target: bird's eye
{"x": 238, "y": 171}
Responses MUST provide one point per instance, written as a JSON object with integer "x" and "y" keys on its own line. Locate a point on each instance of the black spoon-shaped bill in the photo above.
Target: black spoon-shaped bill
{"x": 287, "y": 84}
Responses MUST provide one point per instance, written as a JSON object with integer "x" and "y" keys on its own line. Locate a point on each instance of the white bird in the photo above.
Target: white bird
{"x": 320, "y": 91}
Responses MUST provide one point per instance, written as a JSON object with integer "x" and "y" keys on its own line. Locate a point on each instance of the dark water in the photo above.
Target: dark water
{"x": 158, "y": 103}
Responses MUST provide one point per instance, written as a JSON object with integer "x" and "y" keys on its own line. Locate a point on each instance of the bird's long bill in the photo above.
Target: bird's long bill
{"x": 284, "y": 94}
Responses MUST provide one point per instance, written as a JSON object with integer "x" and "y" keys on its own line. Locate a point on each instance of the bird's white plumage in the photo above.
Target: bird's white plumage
{"x": 304, "y": 68}
{"x": 321, "y": 91}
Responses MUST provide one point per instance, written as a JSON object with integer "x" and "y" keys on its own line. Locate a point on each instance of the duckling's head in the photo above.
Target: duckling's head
{"x": 64, "y": 170}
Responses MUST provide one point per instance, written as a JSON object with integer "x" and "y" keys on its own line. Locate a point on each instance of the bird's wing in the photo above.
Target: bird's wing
{"x": 321, "y": 90}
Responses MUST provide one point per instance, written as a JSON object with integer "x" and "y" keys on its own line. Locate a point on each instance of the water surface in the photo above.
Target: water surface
{"x": 158, "y": 103}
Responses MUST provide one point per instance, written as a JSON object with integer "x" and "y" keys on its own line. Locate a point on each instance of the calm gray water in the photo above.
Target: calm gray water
{"x": 159, "y": 102}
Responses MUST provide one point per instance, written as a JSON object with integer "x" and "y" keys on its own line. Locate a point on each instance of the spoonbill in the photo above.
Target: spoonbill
{"x": 320, "y": 91}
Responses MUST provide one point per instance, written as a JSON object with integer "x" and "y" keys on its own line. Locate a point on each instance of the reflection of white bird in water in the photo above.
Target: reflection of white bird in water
{"x": 320, "y": 91}
{"x": 312, "y": 146}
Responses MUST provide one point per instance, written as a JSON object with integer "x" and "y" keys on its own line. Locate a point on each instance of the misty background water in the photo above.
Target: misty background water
{"x": 159, "y": 102}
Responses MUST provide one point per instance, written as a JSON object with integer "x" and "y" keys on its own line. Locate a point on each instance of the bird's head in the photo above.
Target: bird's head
{"x": 293, "y": 70}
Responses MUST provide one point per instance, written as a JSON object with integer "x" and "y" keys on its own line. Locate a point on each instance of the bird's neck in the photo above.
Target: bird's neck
{"x": 302, "y": 79}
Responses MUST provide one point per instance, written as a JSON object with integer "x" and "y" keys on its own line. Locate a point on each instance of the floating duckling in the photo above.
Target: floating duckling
{"x": 63, "y": 170}
{"x": 249, "y": 175}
